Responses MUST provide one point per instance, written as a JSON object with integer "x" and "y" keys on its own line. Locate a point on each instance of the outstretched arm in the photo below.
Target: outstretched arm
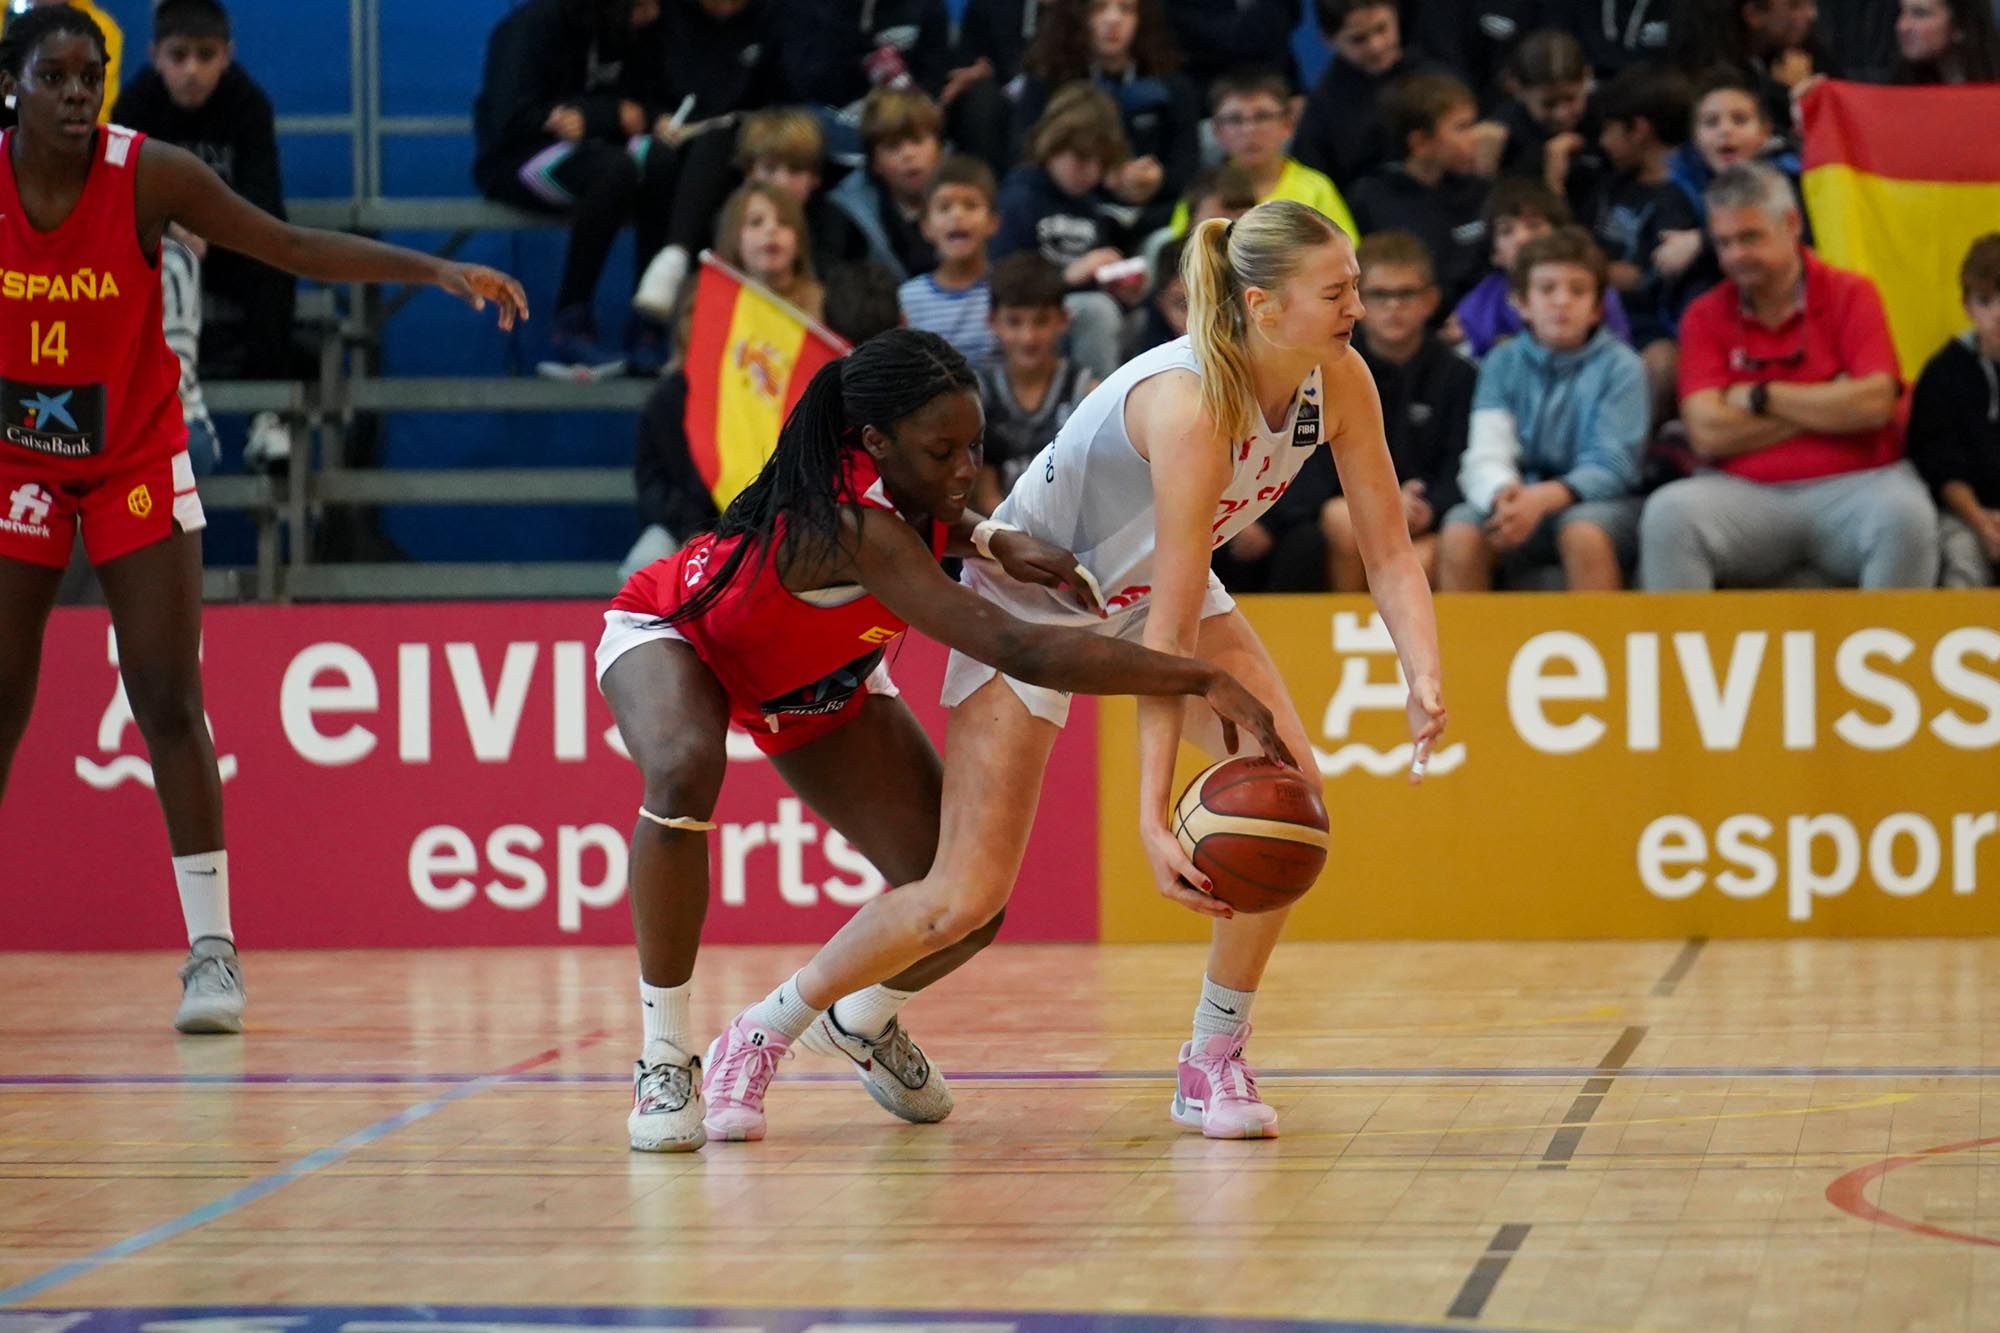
{"x": 176, "y": 186}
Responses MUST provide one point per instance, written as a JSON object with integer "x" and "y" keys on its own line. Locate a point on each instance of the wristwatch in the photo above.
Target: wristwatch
{"x": 1760, "y": 399}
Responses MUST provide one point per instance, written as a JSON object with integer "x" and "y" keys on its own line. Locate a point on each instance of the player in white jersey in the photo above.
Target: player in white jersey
{"x": 1170, "y": 457}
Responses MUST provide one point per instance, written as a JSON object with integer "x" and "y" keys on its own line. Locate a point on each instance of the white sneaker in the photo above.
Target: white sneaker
{"x": 666, "y": 1101}
{"x": 269, "y": 443}
{"x": 892, "y": 1067}
{"x": 211, "y": 988}
{"x": 659, "y": 289}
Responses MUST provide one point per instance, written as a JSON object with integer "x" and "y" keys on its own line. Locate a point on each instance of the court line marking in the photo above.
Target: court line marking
{"x": 277, "y": 1180}
{"x": 1562, "y": 1146}
{"x": 1358, "y": 1073}
{"x": 1849, "y": 1193}
{"x": 1678, "y": 969}
{"x": 1487, "y": 1271}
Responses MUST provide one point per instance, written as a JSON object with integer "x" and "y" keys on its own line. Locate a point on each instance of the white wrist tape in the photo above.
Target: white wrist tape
{"x": 982, "y": 535}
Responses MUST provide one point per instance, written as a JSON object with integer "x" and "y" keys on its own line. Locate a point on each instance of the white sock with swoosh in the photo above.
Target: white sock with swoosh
{"x": 203, "y": 880}
{"x": 1220, "y": 1010}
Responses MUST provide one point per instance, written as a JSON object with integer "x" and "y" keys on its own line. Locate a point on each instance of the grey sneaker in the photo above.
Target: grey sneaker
{"x": 211, "y": 988}
{"x": 892, "y": 1068}
{"x": 666, "y": 1102}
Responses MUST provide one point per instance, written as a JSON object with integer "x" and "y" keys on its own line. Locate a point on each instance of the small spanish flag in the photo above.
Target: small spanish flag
{"x": 749, "y": 357}
{"x": 1899, "y": 183}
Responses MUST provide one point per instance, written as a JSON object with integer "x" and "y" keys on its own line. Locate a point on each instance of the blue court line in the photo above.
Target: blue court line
{"x": 277, "y": 1180}
{"x": 1356, "y": 1073}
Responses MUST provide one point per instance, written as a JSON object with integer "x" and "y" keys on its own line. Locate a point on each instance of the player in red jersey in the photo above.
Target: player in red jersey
{"x": 779, "y": 620}
{"x": 91, "y": 432}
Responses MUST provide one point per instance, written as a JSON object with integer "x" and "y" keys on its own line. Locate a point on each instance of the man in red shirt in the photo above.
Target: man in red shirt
{"x": 1788, "y": 386}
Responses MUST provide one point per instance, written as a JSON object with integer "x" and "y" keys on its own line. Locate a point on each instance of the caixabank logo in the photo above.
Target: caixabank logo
{"x": 65, "y": 420}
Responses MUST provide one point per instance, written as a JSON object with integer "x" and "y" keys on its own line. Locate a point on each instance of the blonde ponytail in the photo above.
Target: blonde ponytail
{"x": 1221, "y": 261}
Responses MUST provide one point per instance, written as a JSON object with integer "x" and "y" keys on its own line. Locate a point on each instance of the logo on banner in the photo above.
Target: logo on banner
{"x": 1357, "y": 642}
{"x": 28, "y": 511}
{"x": 121, "y": 768}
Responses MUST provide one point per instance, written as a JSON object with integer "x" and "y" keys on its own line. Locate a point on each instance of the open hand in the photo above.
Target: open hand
{"x": 475, "y": 284}
{"x": 1235, "y": 707}
{"x": 1029, "y": 559}
{"x": 1514, "y": 518}
{"x": 566, "y": 123}
{"x": 1175, "y": 875}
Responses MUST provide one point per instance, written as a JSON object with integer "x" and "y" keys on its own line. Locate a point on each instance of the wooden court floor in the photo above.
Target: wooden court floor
{"x": 1658, "y": 1135}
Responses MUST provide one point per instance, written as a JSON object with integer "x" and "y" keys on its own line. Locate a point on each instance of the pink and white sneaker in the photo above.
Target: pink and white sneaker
{"x": 735, "y": 1075}
{"x": 1218, "y": 1092}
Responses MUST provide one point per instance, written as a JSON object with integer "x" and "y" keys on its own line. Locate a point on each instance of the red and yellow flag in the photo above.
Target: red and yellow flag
{"x": 1899, "y": 183}
{"x": 749, "y": 357}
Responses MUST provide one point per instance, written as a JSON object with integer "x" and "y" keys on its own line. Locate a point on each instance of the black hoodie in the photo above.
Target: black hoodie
{"x": 726, "y": 65}
{"x": 1342, "y": 132}
{"x": 822, "y": 44}
{"x": 550, "y": 53}
{"x": 1955, "y": 421}
{"x": 233, "y": 131}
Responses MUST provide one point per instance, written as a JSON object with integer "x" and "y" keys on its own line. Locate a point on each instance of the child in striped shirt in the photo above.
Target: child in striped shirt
{"x": 959, "y": 218}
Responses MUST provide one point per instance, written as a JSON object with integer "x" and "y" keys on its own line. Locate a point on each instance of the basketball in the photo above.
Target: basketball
{"x": 1257, "y": 829}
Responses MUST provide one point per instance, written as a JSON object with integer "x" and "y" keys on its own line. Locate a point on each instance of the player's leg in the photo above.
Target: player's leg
{"x": 674, "y": 717}
{"x": 27, "y": 594}
{"x": 893, "y": 821}
{"x": 154, "y": 594}
{"x": 994, "y": 760}
{"x": 1218, "y": 1091}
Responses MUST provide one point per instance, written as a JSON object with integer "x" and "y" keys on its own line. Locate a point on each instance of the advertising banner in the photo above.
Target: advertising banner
{"x": 399, "y": 776}
{"x": 1751, "y": 764}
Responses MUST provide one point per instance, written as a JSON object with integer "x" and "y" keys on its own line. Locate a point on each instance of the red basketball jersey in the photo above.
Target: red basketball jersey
{"x": 86, "y": 377}
{"x": 781, "y": 658}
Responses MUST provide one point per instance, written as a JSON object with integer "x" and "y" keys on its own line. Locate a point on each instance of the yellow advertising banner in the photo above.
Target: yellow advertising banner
{"x": 1719, "y": 764}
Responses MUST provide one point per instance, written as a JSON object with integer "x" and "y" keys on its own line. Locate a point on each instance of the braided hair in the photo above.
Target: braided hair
{"x": 888, "y": 378}
{"x": 26, "y": 31}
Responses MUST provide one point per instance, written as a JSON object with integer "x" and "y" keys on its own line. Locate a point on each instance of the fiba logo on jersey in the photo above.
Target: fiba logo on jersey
{"x": 28, "y": 511}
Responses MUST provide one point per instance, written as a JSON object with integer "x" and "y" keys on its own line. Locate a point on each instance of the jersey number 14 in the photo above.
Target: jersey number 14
{"x": 49, "y": 345}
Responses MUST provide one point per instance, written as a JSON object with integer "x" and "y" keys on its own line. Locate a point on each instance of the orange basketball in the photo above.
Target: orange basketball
{"x": 1257, "y": 829}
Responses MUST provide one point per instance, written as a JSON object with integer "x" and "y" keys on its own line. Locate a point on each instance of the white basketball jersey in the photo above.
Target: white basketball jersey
{"x": 1090, "y": 490}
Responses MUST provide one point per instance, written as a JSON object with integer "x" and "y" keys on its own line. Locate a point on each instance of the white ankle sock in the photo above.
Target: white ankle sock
{"x": 868, "y": 1013}
{"x": 203, "y": 880}
{"x": 665, "y": 1009}
{"x": 1220, "y": 1009}
{"x": 782, "y": 1010}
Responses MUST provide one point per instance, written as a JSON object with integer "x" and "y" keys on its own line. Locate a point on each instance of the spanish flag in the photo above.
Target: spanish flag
{"x": 749, "y": 357}
{"x": 1899, "y": 183}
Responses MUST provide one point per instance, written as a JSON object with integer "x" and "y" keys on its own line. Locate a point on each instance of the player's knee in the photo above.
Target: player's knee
{"x": 987, "y": 933}
{"x": 964, "y": 912}
{"x": 165, "y": 710}
{"x": 681, "y": 782}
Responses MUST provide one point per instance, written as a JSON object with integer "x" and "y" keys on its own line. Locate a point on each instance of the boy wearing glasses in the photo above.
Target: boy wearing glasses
{"x": 1426, "y": 390}
{"x": 1789, "y": 385}
{"x": 1254, "y": 119}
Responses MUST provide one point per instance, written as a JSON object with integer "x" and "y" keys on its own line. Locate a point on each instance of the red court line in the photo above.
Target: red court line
{"x": 1850, "y": 1194}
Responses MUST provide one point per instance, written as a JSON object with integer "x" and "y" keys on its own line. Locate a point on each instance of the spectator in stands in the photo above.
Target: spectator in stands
{"x": 1126, "y": 48}
{"x": 1775, "y": 42}
{"x": 961, "y": 213}
{"x": 1050, "y": 205}
{"x": 1730, "y": 128}
{"x": 1519, "y": 210}
{"x": 114, "y": 47}
{"x": 1615, "y": 33}
{"x": 763, "y": 232}
{"x": 1217, "y": 36}
{"x": 1788, "y": 389}
{"x": 1472, "y": 38}
{"x": 1031, "y": 389}
{"x": 1946, "y": 41}
{"x": 834, "y": 53}
{"x": 1552, "y": 466}
{"x": 1221, "y": 191}
{"x": 1164, "y": 316}
{"x": 900, "y": 136}
{"x": 1954, "y": 435}
{"x": 1426, "y": 391}
{"x": 988, "y": 42}
{"x": 196, "y": 96}
{"x": 558, "y": 106}
{"x": 781, "y": 146}
{"x": 715, "y": 65}
{"x": 1645, "y": 112}
{"x": 674, "y": 500}
{"x": 1341, "y": 132}
{"x": 1432, "y": 191}
{"x": 997, "y": 34}
{"x": 1254, "y": 119}
{"x": 1548, "y": 93}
